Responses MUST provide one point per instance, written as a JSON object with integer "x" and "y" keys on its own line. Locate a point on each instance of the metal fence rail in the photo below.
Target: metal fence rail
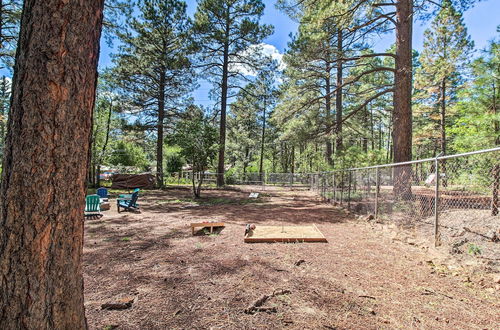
{"x": 441, "y": 196}
{"x": 452, "y": 192}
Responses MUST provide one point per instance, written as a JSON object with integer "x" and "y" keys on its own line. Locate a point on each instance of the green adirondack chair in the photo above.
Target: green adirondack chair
{"x": 129, "y": 196}
{"x": 92, "y": 206}
{"x": 129, "y": 204}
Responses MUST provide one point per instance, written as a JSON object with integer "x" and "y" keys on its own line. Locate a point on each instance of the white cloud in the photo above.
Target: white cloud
{"x": 261, "y": 49}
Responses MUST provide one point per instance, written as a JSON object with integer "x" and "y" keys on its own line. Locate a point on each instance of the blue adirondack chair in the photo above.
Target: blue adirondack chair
{"x": 129, "y": 204}
{"x": 93, "y": 206}
{"x": 103, "y": 193}
{"x": 129, "y": 196}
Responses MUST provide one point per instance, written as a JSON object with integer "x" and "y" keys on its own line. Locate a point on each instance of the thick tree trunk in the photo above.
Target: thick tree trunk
{"x": 328, "y": 108}
{"x": 45, "y": 165}
{"x": 223, "y": 106}
{"x": 402, "y": 114}
{"x": 160, "y": 123}
{"x": 338, "y": 96}
{"x": 222, "y": 129}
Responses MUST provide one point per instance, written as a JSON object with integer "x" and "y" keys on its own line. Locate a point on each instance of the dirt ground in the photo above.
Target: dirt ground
{"x": 362, "y": 278}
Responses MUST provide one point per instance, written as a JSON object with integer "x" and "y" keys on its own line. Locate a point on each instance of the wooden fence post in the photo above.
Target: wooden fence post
{"x": 496, "y": 186}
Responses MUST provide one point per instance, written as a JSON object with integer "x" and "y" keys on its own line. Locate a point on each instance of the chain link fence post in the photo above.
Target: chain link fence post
{"x": 334, "y": 190}
{"x": 436, "y": 203}
{"x": 377, "y": 191}
{"x": 349, "y": 191}
{"x": 496, "y": 186}
{"x": 342, "y": 188}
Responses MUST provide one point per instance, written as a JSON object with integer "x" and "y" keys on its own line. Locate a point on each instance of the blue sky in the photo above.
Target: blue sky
{"x": 481, "y": 22}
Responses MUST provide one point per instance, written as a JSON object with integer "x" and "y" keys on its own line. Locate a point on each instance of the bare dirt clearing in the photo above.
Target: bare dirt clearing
{"x": 359, "y": 279}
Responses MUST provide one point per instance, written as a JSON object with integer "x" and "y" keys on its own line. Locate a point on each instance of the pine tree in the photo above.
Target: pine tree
{"x": 223, "y": 31}
{"x": 153, "y": 68}
{"x": 243, "y": 129}
{"x": 10, "y": 18}
{"x": 478, "y": 122}
{"x": 45, "y": 164}
{"x": 447, "y": 48}
{"x": 5, "y": 86}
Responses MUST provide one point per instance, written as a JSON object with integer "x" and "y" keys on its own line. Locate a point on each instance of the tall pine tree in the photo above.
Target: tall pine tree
{"x": 447, "y": 48}
{"x": 153, "y": 68}
{"x": 224, "y": 30}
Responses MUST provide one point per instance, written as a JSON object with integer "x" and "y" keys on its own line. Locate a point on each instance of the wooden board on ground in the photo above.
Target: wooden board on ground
{"x": 210, "y": 225}
{"x": 270, "y": 234}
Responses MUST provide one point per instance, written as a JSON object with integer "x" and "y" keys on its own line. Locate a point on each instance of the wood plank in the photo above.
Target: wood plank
{"x": 269, "y": 234}
{"x": 210, "y": 225}
{"x": 207, "y": 224}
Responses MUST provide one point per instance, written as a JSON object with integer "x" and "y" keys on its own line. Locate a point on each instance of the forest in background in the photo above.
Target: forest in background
{"x": 333, "y": 102}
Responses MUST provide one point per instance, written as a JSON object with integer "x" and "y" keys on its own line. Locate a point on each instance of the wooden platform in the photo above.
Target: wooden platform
{"x": 210, "y": 225}
{"x": 298, "y": 234}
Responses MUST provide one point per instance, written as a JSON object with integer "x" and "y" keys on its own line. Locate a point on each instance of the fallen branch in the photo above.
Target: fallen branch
{"x": 429, "y": 292}
{"x": 257, "y": 305}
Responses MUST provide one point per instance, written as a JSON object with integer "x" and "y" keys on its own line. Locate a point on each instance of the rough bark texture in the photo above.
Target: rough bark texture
{"x": 160, "y": 123}
{"x": 45, "y": 165}
{"x": 402, "y": 116}
{"x": 338, "y": 97}
{"x": 222, "y": 129}
{"x": 328, "y": 108}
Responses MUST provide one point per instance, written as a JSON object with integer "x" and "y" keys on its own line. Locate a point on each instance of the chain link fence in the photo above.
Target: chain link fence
{"x": 448, "y": 197}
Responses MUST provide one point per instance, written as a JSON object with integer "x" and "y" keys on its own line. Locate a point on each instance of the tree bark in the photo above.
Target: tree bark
{"x": 402, "y": 114}
{"x": 496, "y": 123}
{"x": 104, "y": 146}
{"x": 263, "y": 138}
{"x": 328, "y": 108}
{"x": 45, "y": 165}
{"x": 223, "y": 106}
{"x": 338, "y": 96}
{"x": 160, "y": 123}
{"x": 443, "y": 117}
{"x": 3, "y": 110}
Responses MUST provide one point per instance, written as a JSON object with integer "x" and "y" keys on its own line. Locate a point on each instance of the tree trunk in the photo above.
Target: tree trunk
{"x": 223, "y": 105}
{"x": 45, "y": 165}
{"x": 443, "y": 131}
{"x": 443, "y": 117}
{"x": 372, "y": 128}
{"x": 338, "y": 96}
{"x": 496, "y": 187}
{"x": 3, "y": 111}
{"x": 402, "y": 117}
{"x": 245, "y": 160}
{"x": 161, "y": 122}
{"x": 366, "y": 114}
{"x": 328, "y": 108}
{"x": 104, "y": 146}
{"x": 261, "y": 165}
{"x": 496, "y": 123}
